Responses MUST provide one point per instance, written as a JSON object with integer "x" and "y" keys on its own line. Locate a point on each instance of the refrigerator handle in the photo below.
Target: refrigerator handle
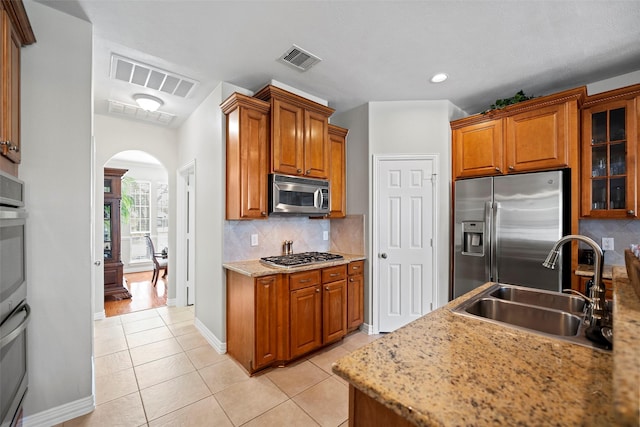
{"x": 488, "y": 240}
{"x": 495, "y": 241}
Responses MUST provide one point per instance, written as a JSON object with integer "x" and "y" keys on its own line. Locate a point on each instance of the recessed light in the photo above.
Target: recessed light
{"x": 439, "y": 78}
{"x": 148, "y": 102}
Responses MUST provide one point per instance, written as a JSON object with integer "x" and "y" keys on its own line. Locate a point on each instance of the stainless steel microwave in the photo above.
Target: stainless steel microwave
{"x": 292, "y": 195}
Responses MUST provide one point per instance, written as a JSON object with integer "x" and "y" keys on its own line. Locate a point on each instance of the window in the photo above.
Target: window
{"x": 162, "y": 215}
{"x": 140, "y": 220}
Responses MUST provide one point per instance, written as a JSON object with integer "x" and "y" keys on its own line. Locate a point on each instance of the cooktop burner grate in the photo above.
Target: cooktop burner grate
{"x": 302, "y": 258}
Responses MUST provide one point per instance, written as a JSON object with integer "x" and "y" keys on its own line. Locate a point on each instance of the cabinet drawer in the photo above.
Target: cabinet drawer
{"x": 333, "y": 274}
{"x": 355, "y": 267}
{"x": 304, "y": 279}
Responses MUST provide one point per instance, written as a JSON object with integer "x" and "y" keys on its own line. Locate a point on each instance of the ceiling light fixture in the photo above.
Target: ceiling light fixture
{"x": 148, "y": 102}
{"x": 439, "y": 78}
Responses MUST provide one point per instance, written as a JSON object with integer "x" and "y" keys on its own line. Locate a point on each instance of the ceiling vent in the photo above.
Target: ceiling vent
{"x": 135, "y": 112}
{"x": 299, "y": 58}
{"x": 130, "y": 71}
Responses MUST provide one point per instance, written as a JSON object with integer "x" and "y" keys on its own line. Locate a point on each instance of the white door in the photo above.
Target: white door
{"x": 405, "y": 209}
{"x": 185, "y": 240}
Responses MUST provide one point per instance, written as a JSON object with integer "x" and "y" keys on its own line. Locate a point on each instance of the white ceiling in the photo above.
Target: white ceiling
{"x": 370, "y": 50}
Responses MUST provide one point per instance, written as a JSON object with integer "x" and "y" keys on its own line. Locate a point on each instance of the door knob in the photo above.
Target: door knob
{"x": 97, "y": 262}
{"x": 383, "y": 255}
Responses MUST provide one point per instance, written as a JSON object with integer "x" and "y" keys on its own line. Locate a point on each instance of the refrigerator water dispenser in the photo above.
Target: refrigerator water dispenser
{"x": 473, "y": 238}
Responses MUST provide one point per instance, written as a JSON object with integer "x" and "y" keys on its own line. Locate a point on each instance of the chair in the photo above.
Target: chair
{"x": 160, "y": 261}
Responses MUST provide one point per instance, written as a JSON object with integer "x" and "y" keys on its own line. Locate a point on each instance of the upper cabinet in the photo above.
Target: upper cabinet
{"x": 609, "y": 154}
{"x": 16, "y": 32}
{"x": 247, "y": 156}
{"x": 299, "y": 134}
{"x": 337, "y": 171}
{"x": 538, "y": 134}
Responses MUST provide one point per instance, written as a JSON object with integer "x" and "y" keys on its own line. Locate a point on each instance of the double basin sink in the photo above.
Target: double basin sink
{"x": 544, "y": 312}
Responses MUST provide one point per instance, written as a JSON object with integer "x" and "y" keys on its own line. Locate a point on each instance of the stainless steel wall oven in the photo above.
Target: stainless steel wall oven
{"x": 14, "y": 310}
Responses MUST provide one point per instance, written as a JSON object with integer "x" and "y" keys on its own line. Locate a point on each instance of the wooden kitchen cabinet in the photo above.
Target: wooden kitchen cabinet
{"x": 608, "y": 286}
{"x": 610, "y": 180}
{"x": 299, "y": 134}
{"x": 539, "y": 134}
{"x": 247, "y": 157}
{"x": 337, "y": 171}
{"x": 113, "y": 268}
{"x": 252, "y": 319}
{"x": 355, "y": 295}
{"x": 16, "y": 32}
{"x": 334, "y": 303}
{"x": 306, "y": 312}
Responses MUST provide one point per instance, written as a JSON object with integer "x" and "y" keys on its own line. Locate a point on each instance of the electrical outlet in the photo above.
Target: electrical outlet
{"x": 607, "y": 243}
{"x": 254, "y": 240}
{"x": 325, "y": 235}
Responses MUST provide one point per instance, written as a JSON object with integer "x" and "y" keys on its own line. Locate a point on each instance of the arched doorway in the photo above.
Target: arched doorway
{"x": 144, "y": 215}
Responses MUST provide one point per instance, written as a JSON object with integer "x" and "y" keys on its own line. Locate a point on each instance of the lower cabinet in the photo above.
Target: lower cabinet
{"x": 355, "y": 295}
{"x": 277, "y": 318}
{"x": 252, "y": 319}
{"x": 608, "y": 286}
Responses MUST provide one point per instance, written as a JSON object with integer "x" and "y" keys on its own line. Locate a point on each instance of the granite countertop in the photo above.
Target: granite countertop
{"x": 254, "y": 268}
{"x": 587, "y": 271}
{"x": 448, "y": 369}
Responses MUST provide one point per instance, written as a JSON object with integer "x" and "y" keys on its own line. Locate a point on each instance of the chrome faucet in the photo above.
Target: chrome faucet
{"x": 598, "y": 303}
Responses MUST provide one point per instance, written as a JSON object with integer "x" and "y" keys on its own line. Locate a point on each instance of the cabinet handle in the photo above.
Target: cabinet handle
{"x": 334, "y": 274}
{"x": 299, "y": 170}
{"x": 317, "y": 289}
{"x": 511, "y": 168}
{"x": 304, "y": 280}
{"x": 308, "y": 172}
{"x": 327, "y": 288}
{"x": 263, "y": 213}
{"x": 631, "y": 212}
{"x": 351, "y": 280}
{"x": 498, "y": 170}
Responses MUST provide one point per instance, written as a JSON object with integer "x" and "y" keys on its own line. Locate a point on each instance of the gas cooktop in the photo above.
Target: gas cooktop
{"x": 303, "y": 258}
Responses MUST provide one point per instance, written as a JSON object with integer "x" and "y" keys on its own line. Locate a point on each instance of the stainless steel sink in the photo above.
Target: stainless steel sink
{"x": 540, "y": 298}
{"x": 546, "y": 313}
{"x": 553, "y": 322}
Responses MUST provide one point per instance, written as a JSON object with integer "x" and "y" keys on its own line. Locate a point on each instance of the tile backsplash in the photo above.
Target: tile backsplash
{"x": 345, "y": 235}
{"x": 624, "y": 232}
{"x": 306, "y": 234}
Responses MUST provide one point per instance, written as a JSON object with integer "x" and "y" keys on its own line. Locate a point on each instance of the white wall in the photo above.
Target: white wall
{"x": 56, "y": 166}
{"x": 113, "y": 135}
{"x": 202, "y": 137}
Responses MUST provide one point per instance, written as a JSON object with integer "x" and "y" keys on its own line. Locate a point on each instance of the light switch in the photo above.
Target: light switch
{"x": 254, "y": 240}
{"x": 325, "y": 235}
{"x": 607, "y": 243}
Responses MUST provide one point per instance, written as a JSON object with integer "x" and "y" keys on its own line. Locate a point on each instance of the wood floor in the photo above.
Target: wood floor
{"x": 144, "y": 295}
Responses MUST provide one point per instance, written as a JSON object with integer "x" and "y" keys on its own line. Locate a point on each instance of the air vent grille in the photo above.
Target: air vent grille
{"x": 136, "y": 112}
{"x": 299, "y": 58}
{"x": 131, "y": 71}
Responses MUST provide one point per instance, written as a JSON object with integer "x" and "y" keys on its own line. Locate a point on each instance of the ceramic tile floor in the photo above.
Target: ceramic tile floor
{"x": 153, "y": 368}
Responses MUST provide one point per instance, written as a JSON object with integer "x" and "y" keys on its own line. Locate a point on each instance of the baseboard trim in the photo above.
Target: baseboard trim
{"x": 171, "y": 302}
{"x": 101, "y": 315}
{"x": 62, "y": 413}
{"x": 367, "y": 329}
{"x": 219, "y": 346}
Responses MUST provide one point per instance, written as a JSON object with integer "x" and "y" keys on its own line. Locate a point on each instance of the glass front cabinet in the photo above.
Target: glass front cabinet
{"x": 609, "y": 154}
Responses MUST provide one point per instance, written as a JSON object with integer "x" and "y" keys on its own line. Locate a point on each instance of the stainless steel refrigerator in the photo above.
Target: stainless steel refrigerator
{"x": 504, "y": 228}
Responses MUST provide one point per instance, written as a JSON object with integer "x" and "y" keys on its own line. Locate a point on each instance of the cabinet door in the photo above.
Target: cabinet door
{"x": 10, "y": 96}
{"x": 254, "y": 149}
{"x": 334, "y": 311}
{"x": 538, "y": 139}
{"x": 337, "y": 171}
{"x": 287, "y": 138}
{"x": 609, "y": 166}
{"x": 316, "y": 145}
{"x": 306, "y": 320}
{"x": 265, "y": 321}
{"x": 477, "y": 149}
{"x": 355, "y": 301}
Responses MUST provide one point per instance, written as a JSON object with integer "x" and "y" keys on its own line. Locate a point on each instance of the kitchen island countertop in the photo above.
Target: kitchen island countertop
{"x": 447, "y": 369}
{"x": 254, "y": 268}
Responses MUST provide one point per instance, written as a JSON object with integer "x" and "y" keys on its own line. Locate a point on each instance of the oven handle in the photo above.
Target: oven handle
{"x": 6, "y": 339}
